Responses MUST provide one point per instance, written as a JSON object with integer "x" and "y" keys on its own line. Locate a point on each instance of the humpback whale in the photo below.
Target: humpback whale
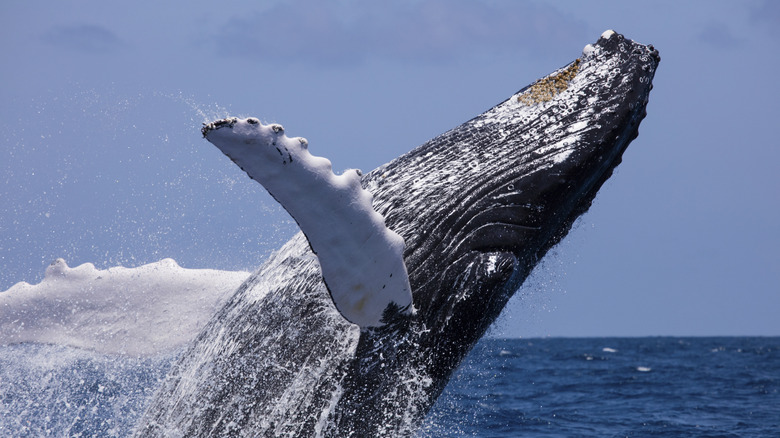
{"x": 477, "y": 207}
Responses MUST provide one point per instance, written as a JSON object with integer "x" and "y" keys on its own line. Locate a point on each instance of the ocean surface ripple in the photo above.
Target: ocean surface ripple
{"x": 556, "y": 387}
{"x": 614, "y": 387}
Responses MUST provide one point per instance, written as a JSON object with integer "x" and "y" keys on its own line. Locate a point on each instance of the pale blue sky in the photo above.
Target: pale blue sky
{"x": 101, "y": 158}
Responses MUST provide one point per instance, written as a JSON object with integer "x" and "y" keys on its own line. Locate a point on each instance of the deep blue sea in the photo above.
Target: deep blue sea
{"x": 575, "y": 387}
{"x": 615, "y": 387}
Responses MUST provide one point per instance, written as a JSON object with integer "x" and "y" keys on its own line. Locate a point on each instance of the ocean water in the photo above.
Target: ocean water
{"x": 559, "y": 387}
{"x": 614, "y": 387}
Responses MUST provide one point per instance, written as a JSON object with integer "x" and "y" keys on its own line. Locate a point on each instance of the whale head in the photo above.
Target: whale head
{"x": 481, "y": 204}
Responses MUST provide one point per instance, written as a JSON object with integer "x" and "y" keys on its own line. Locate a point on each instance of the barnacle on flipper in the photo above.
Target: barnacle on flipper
{"x": 545, "y": 89}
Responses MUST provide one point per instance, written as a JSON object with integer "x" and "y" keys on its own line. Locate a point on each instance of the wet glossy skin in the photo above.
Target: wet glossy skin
{"x": 478, "y": 207}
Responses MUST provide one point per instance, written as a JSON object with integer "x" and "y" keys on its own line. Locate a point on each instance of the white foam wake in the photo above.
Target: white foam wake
{"x": 136, "y": 311}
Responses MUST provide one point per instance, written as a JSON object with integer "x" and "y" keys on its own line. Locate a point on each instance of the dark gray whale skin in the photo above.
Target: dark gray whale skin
{"x": 478, "y": 207}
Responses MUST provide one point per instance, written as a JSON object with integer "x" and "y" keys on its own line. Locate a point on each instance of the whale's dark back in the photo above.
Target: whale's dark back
{"x": 478, "y": 207}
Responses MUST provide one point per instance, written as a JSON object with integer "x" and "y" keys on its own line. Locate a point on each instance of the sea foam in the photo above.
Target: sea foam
{"x": 136, "y": 311}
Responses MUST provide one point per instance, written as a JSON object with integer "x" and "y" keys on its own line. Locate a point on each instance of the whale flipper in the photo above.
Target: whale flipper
{"x": 361, "y": 259}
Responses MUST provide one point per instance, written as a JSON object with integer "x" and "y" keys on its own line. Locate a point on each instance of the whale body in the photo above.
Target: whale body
{"x": 477, "y": 206}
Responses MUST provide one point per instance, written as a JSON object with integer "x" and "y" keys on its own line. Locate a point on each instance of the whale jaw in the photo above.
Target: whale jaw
{"x": 480, "y": 206}
{"x": 516, "y": 177}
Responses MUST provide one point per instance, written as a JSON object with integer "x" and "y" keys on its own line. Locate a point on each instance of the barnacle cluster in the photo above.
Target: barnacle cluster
{"x": 547, "y": 88}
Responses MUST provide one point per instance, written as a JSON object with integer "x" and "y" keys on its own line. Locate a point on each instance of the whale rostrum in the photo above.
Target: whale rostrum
{"x": 477, "y": 208}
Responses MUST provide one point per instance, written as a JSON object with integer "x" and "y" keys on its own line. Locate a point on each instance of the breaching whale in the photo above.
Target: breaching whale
{"x": 477, "y": 207}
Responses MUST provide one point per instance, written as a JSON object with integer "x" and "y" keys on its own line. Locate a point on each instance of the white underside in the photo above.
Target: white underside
{"x": 361, "y": 259}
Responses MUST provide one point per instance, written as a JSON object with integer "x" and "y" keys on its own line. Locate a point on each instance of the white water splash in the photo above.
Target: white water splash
{"x": 136, "y": 311}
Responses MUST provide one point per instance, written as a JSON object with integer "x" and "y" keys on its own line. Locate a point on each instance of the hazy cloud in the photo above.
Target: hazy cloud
{"x": 315, "y": 31}
{"x": 767, "y": 14}
{"x": 86, "y": 38}
{"x": 719, "y": 35}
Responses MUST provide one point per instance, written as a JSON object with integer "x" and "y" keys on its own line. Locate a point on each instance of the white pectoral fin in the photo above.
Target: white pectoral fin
{"x": 361, "y": 259}
{"x": 373, "y": 296}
